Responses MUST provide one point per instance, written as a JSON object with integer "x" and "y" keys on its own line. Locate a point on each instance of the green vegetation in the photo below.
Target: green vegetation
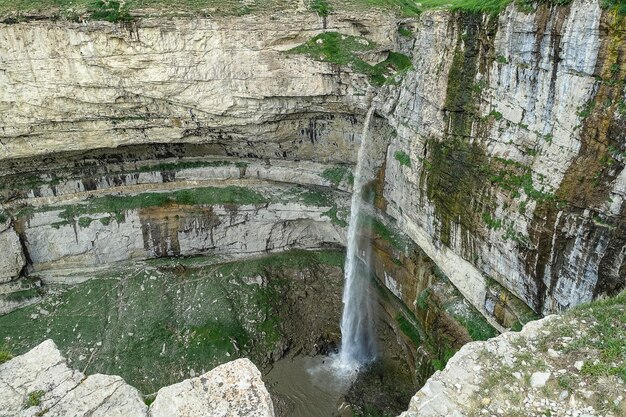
{"x": 618, "y": 5}
{"x": 514, "y": 176}
{"x": 406, "y": 32}
{"x": 337, "y": 174}
{"x": 85, "y": 221}
{"x": 456, "y": 173}
{"x": 346, "y": 50}
{"x": 116, "y": 10}
{"x": 22, "y": 295}
{"x": 110, "y": 10}
{"x": 487, "y": 6}
{"x": 177, "y": 166}
{"x": 477, "y": 326}
{"x": 403, "y": 158}
{"x": 320, "y": 197}
{"x": 321, "y": 7}
{"x": 34, "y": 398}
{"x": 5, "y": 354}
{"x": 3, "y": 217}
{"x": 501, "y": 59}
{"x": 491, "y": 222}
{"x": 408, "y": 329}
{"x": 168, "y": 316}
{"x": 605, "y": 338}
{"x": 117, "y": 205}
{"x": 396, "y": 239}
{"x": 496, "y": 115}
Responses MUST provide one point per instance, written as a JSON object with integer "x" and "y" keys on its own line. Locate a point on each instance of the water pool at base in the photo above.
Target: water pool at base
{"x": 305, "y": 386}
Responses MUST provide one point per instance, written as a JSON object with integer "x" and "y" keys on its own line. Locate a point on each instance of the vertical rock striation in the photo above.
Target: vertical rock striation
{"x": 514, "y": 126}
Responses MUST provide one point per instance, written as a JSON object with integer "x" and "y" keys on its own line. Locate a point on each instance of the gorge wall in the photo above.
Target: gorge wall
{"x": 500, "y": 153}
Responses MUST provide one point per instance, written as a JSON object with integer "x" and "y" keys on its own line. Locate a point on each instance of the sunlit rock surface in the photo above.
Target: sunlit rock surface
{"x": 41, "y": 383}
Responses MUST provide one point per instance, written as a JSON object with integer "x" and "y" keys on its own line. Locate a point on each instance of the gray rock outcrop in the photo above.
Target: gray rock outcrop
{"x": 233, "y": 389}
{"x": 39, "y": 382}
{"x": 12, "y": 260}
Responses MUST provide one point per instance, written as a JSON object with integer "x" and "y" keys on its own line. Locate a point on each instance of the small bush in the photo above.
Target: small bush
{"x": 335, "y": 174}
{"x": 84, "y": 222}
{"x": 321, "y": 7}
{"x": 408, "y": 329}
{"x": 496, "y": 115}
{"x": 403, "y": 158}
{"x": 406, "y": 32}
{"x": 5, "y": 355}
{"x": 110, "y": 11}
{"x": 34, "y": 398}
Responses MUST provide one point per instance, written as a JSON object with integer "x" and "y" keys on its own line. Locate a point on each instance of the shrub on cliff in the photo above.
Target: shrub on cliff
{"x": 110, "y": 10}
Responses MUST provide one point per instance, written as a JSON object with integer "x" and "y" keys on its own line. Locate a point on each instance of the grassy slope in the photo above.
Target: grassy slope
{"x": 153, "y": 322}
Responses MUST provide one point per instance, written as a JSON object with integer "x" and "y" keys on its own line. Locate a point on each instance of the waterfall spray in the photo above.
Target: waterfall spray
{"x": 357, "y": 322}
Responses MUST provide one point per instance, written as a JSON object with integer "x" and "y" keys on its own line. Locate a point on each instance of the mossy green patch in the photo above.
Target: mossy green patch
{"x": 117, "y": 205}
{"x": 347, "y": 50}
{"x": 477, "y": 326}
{"x": 153, "y": 322}
{"x": 337, "y": 174}
{"x": 34, "y": 398}
{"x": 488, "y": 6}
{"x": 5, "y": 354}
{"x": 408, "y": 329}
{"x": 22, "y": 295}
{"x": 455, "y": 178}
{"x": 397, "y": 239}
{"x": 403, "y": 158}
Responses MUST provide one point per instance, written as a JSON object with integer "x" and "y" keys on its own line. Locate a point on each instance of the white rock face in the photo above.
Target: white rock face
{"x": 539, "y": 379}
{"x": 236, "y": 232}
{"x": 12, "y": 259}
{"x": 233, "y": 389}
{"x": 62, "y": 391}
{"x": 69, "y": 86}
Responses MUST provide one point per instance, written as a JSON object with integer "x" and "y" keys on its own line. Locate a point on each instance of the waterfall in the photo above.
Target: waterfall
{"x": 357, "y": 322}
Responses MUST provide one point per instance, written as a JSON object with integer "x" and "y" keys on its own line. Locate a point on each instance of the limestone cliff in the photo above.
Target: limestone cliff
{"x": 514, "y": 132}
{"x": 505, "y": 164}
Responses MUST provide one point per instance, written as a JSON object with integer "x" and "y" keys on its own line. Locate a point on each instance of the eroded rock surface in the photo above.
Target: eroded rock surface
{"x": 40, "y": 383}
{"x": 566, "y": 365}
{"x": 232, "y": 389}
{"x": 12, "y": 260}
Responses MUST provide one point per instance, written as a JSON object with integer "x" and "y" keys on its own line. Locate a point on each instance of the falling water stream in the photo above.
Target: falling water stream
{"x": 315, "y": 386}
{"x": 357, "y": 322}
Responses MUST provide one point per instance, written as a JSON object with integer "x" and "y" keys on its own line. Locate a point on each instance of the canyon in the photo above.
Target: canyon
{"x": 143, "y": 157}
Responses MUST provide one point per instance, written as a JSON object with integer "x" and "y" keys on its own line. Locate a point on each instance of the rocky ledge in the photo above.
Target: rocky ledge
{"x": 569, "y": 365}
{"x": 41, "y": 383}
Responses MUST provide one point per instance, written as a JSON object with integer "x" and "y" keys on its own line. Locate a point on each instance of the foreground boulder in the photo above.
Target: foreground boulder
{"x": 232, "y": 389}
{"x": 40, "y": 383}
